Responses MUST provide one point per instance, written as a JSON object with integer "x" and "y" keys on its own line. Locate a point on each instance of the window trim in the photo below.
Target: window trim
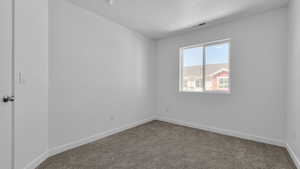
{"x": 204, "y": 45}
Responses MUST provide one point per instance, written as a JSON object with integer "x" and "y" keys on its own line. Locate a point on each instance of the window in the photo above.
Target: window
{"x": 198, "y": 84}
{"x": 223, "y": 82}
{"x": 205, "y": 67}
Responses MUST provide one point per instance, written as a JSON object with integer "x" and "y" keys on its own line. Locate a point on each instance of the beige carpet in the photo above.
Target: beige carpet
{"x": 160, "y": 145}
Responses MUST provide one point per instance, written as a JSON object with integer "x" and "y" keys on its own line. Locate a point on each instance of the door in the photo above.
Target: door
{"x": 6, "y": 89}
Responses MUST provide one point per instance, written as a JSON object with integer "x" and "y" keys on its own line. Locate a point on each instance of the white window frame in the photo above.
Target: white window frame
{"x": 204, "y": 45}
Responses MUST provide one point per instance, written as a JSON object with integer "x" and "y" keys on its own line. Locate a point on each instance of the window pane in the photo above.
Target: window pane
{"x": 217, "y": 67}
{"x": 192, "y": 61}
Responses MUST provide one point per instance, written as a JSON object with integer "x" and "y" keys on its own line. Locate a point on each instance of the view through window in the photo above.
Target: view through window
{"x": 205, "y": 67}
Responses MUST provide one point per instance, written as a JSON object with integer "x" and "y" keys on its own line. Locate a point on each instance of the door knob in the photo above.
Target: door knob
{"x": 8, "y": 99}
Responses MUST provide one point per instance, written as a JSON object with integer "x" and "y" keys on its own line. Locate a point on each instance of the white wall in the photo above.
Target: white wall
{"x": 293, "y": 111}
{"x": 258, "y": 63}
{"x": 101, "y": 74}
{"x": 102, "y": 77}
{"x": 31, "y": 54}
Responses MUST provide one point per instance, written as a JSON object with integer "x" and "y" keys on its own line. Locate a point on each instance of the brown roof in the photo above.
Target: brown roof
{"x": 210, "y": 69}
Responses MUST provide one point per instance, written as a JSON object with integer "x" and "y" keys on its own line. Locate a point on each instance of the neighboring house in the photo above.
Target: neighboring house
{"x": 217, "y": 77}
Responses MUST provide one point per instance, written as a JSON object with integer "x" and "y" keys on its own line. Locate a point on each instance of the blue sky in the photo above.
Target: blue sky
{"x": 214, "y": 55}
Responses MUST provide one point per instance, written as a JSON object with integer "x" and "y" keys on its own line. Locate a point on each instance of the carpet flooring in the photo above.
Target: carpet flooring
{"x": 160, "y": 145}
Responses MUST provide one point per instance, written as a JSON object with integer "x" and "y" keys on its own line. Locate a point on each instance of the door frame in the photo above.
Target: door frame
{"x": 13, "y": 83}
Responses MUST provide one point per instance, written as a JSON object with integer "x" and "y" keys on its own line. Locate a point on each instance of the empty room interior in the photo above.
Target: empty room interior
{"x": 150, "y": 84}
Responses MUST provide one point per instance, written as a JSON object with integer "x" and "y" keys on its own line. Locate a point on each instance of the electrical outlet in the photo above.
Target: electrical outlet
{"x": 111, "y": 118}
{"x": 167, "y": 109}
{"x": 294, "y": 135}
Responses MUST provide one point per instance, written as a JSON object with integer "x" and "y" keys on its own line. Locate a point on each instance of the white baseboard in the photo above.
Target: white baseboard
{"x": 238, "y": 134}
{"x": 36, "y": 162}
{"x": 225, "y": 132}
{"x": 293, "y": 156}
{"x": 65, "y": 147}
{"x": 59, "y": 149}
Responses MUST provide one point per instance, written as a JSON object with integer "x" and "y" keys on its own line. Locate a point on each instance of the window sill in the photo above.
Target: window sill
{"x": 208, "y": 92}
